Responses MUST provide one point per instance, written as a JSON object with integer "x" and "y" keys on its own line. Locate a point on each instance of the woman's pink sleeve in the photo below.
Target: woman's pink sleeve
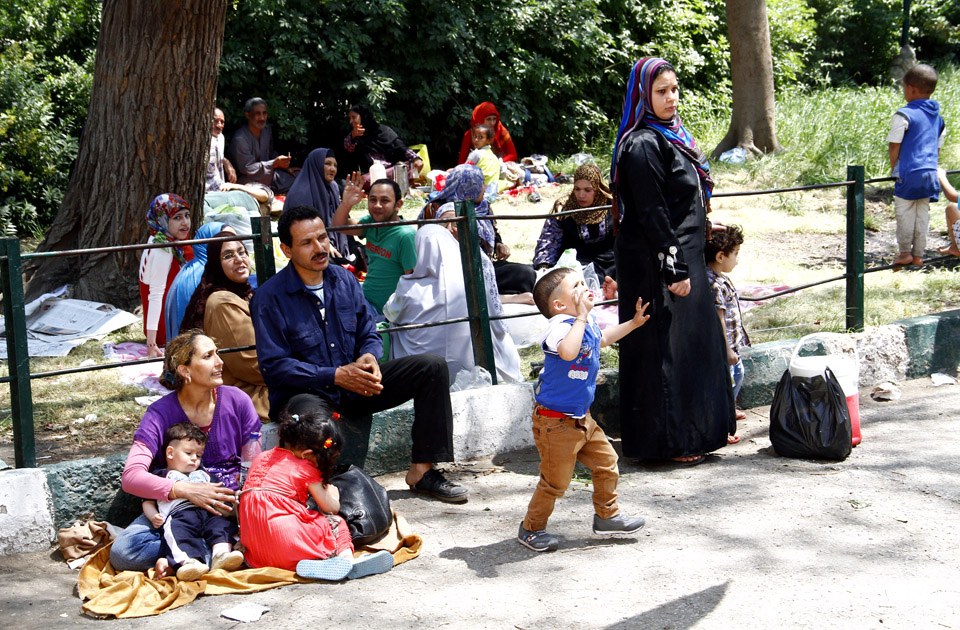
{"x": 137, "y": 478}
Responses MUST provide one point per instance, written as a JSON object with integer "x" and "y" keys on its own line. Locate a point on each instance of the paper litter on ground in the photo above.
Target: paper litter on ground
{"x": 245, "y": 612}
{"x": 939, "y": 378}
{"x": 57, "y": 325}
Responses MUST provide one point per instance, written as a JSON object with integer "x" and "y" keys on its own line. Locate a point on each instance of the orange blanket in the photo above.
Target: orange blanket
{"x": 133, "y": 594}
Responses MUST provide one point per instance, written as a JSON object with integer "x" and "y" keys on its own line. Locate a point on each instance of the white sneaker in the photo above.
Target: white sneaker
{"x": 192, "y": 570}
{"x": 228, "y": 561}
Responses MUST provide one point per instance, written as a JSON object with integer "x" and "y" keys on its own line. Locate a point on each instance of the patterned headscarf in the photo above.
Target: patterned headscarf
{"x": 601, "y": 196}
{"x": 161, "y": 209}
{"x": 637, "y": 109}
{"x": 465, "y": 183}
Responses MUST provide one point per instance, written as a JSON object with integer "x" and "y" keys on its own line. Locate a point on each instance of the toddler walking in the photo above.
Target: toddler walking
{"x": 187, "y": 528}
{"x": 276, "y": 526}
{"x": 563, "y": 429}
{"x": 722, "y": 252}
{"x": 917, "y": 132}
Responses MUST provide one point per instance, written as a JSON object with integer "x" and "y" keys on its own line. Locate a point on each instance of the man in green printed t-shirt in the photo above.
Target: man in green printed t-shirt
{"x": 391, "y": 251}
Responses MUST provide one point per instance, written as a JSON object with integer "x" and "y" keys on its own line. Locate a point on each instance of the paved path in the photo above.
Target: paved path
{"x": 748, "y": 540}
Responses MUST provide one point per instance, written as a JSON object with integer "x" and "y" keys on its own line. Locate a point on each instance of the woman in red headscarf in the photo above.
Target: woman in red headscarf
{"x": 486, "y": 114}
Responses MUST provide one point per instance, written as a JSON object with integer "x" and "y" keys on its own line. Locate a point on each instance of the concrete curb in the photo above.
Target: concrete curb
{"x": 36, "y": 502}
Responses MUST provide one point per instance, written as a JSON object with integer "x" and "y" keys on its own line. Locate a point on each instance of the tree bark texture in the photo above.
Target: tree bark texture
{"x": 147, "y": 132}
{"x": 753, "y": 122}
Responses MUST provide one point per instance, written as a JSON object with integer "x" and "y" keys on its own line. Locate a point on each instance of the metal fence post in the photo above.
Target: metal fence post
{"x": 855, "y": 228}
{"x": 18, "y": 357}
{"x": 263, "y": 249}
{"x": 476, "y": 290}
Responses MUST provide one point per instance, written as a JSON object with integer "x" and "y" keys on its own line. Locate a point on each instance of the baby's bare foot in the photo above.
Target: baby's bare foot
{"x": 903, "y": 259}
{"x": 162, "y": 569}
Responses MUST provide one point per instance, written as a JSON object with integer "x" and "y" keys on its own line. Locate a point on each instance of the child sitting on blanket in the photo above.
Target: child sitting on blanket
{"x": 722, "y": 252}
{"x": 187, "y": 528}
{"x": 276, "y": 526}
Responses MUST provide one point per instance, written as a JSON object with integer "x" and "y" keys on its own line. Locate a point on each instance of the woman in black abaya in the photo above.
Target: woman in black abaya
{"x": 676, "y": 399}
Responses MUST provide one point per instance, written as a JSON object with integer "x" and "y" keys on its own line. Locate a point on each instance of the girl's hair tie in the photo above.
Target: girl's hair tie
{"x": 334, "y": 416}
{"x": 169, "y": 376}
{"x": 327, "y": 443}
{"x": 295, "y": 418}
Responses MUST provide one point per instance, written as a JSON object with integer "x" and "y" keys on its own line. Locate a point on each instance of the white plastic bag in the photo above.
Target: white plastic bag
{"x": 471, "y": 379}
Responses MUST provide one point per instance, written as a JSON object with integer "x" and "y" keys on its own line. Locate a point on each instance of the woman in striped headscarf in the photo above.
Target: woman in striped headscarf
{"x": 676, "y": 400}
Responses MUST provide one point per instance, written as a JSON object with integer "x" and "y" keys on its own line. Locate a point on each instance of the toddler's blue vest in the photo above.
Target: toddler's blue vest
{"x": 569, "y": 386}
{"x": 919, "y": 151}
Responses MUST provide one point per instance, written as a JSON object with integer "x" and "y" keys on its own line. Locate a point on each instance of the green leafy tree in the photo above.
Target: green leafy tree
{"x": 46, "y": 61}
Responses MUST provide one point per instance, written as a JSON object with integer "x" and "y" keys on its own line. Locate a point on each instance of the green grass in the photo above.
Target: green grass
{"x": 824, "y": 131}
{"x": 59, "y": 402}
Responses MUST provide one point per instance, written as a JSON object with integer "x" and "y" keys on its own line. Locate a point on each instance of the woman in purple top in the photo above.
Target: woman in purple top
{"x": 193, "y": 369}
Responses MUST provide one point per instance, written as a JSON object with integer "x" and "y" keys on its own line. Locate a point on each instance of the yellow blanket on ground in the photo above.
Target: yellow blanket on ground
{"x": 134, "y": 594}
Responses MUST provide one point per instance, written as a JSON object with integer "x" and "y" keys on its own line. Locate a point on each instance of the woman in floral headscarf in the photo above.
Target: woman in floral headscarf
{"x": 590, "y": 233}
{"x": 169, "y": 221}
{"x": 465, "y": 183}
{"x": 676, "y": 400}
{"x": 513, "y": 280}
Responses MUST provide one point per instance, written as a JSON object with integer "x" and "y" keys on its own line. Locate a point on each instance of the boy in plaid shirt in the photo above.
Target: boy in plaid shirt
{"x": 722, "y": 252}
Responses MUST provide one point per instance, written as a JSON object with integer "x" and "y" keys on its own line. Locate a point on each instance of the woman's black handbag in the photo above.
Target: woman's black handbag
{"x": 364, "y": 505}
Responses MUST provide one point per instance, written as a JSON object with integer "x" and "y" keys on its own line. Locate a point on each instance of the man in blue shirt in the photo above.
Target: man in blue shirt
{"x": 316, "y": 340}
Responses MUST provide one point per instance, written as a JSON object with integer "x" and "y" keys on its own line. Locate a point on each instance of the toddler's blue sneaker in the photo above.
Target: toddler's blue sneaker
{"x": 539, "y": 540}
{"x": 618, "y": 524}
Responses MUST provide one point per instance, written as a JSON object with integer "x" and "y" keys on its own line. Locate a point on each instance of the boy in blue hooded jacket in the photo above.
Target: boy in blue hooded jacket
{"x": 916, "y": 134}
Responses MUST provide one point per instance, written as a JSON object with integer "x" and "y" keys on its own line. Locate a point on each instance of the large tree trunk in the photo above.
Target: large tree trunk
{"x": 753, "y": 124}
{"x": 147, "y": 132}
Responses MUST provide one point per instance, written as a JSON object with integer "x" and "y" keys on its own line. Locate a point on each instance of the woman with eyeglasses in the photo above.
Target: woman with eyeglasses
{"x": 221, "y": 307}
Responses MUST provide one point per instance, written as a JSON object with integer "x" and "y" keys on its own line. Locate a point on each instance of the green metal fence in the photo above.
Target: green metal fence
{"x": 11, "y": 284}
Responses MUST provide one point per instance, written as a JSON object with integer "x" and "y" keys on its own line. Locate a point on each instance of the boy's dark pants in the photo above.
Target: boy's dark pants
{"x": 562, "y": 442}
{"x": 185, "y": 532}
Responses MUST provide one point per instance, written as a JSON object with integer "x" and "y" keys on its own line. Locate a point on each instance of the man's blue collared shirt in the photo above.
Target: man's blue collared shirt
{"x": 298, "y": 347}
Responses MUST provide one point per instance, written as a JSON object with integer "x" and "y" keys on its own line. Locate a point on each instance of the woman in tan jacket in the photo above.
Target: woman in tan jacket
{"x": 221, "y": 307}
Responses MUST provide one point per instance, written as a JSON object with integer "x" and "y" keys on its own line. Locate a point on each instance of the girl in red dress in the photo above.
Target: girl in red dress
{"x": 276, "y": 526}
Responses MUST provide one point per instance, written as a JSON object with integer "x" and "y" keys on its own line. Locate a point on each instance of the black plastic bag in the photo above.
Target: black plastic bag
{"x": 809, "y": 418}
{"x": 364, "y": 505}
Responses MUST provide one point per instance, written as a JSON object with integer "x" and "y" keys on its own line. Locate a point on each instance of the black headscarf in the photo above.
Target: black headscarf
{"x": 377, "y": 139}
{"x": 213, "y": 280}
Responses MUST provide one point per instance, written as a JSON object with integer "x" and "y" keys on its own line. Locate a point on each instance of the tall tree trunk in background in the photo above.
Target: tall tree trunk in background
{"x": 753, "y": 123}
{"x": 147, "y": 132}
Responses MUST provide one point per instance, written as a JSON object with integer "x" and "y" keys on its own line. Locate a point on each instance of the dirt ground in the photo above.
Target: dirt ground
{"x": 747, "y": 540}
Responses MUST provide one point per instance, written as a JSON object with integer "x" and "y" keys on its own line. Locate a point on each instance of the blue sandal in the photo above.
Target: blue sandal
{"x": 332, "y": 569}
{"x": 371, "y": 564}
